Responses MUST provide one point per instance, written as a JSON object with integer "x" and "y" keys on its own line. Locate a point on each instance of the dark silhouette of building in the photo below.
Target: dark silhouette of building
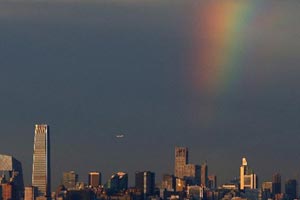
{"x": 204, "y": 174}
{"x": 291, "y": 189}
{"x": 145, "y": 182}
{"x": 212, "y": 182}
{"x": 117, "y": 183}
{"x": 276, "y": 181}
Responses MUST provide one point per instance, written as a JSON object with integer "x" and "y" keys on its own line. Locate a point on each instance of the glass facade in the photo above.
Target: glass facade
{"x": 41, "y": 160}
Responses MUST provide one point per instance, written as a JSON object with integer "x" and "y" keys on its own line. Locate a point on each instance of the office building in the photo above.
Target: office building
{"x": 70, "y": 180}
{"x": 168, "y": 182}
{"x": 41, "y": 160}
{"x": 291, "y": 189}
{"x": 12, "y": 168}
{"x": 266, "y": 190}
{"x": 212, "y": 182}
{"x": 192, "y": 174}
{"x": 7, "y": 191}
{"x": 145, "y": 182}
{"x": 204, "y": 174}
{"x": 248, "y": 180}
{"x": 181, "y": 160}
{"x": 94, "y": 179}
{"x": 276, "y": 180}
{"x": 117, "y": 183}
{"x": 30, "y": 193}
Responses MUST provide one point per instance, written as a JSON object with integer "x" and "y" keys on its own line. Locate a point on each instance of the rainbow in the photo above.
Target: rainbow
{"x": 219, "y": 44}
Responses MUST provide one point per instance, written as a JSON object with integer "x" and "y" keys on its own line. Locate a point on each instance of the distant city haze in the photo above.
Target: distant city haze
{"x": 219, "y": 78}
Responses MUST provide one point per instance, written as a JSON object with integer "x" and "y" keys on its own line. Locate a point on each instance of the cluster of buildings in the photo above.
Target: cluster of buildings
{"x": 189, "y": 181}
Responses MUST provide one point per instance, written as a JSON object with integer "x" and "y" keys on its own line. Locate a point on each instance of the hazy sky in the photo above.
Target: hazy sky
{"x": 94, "y": 69}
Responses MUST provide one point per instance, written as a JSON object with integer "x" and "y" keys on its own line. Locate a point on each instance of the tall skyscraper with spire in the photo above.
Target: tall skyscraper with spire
{"x": 41, "y": 160}
{"x": 248, "y": 180}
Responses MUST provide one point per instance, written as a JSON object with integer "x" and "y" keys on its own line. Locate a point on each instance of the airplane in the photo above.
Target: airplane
{"x": 120, "y": 136}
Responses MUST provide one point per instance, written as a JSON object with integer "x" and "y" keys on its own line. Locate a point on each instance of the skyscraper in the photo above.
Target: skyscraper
{"x": 212, "y": 182}
{"x": 247, "y": 178}
{"x": 291, "y": 189}
{"x": 276, "y": 180}
{"x": 94, "y": 179}
{"x": 41, "y": 160}
{"x": 145, "y": 182}
{"x": 204, "y": 174}
{"x": 181, "y": 160}
{"x": 69, "y": 180}
{"x": 118, "y": 182}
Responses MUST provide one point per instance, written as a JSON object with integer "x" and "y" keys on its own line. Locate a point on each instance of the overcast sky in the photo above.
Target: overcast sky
{"x": 94, "y": 69}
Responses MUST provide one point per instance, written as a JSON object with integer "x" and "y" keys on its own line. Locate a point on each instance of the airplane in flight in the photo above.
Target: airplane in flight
{"x": 120, "y": 136}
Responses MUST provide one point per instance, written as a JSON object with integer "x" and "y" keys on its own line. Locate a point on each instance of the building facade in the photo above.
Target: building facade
{"x": 248, "y": 180}
{"x": 145, "y": 182}
{"x": 12, "y": 168}
{"x": 276, "y": 180}
{"x": 41, "y": 160}
{"x": 181, "y": 160}
{"x": 204, "y": 174}
{"x": 94, "y": 179}
{"x": 70, "y": 180}
{"x": 30, "y": 193}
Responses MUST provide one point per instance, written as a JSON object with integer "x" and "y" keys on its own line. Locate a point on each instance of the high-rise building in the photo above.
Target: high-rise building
{"x": 248, "y": 180}
{"x": 145, "y": 182}
{"x": 276, "y": 180}
{"x": 70, "y": 180}
{"x": 30, "y": 193}
{"x": 212, "y": 182}
{"x": 94, "y": 179}
{"x": 118, "y": 182}
{"x": 13, "y": 169}
{"x": 204, "y": 174}
{"x": 192, "y": 174}
{"x": 181, "y": 160}
{"x": 291, "y": 189}
{"x": 266, "y": 190}
{"x": 168, "y": 182}
{"x": 41, "y": 160}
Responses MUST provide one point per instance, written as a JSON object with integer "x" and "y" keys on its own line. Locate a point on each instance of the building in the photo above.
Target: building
{"x": 266, "y": 190}
{"x": 12, "y": 168}
{"x": 181, "y": 160}
{"x": 30, "y": 193}
{"x": 212, "y": 182}
{"x": 168, "y": 182}
{"x": 192, "y": 174}
{"x": 70, "y": 180}
{"x": 41, "y": 160}
{"x": 291, "y": 189}
{"x": 204, "y": 174}
{"x": 145, "y": 182}
{"x": 117, "y": 183}
{"x": 94, "y": 179}
{"x": 248, "y": 180}
{"x": 276, "y": 180}
{"x": 7, "y": 191}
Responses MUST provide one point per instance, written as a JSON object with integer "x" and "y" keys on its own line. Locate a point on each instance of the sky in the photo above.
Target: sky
{"x": 221, "y": 78}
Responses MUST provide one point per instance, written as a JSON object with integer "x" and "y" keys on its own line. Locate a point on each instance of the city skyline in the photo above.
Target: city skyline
{"x": 221, "y": 78}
